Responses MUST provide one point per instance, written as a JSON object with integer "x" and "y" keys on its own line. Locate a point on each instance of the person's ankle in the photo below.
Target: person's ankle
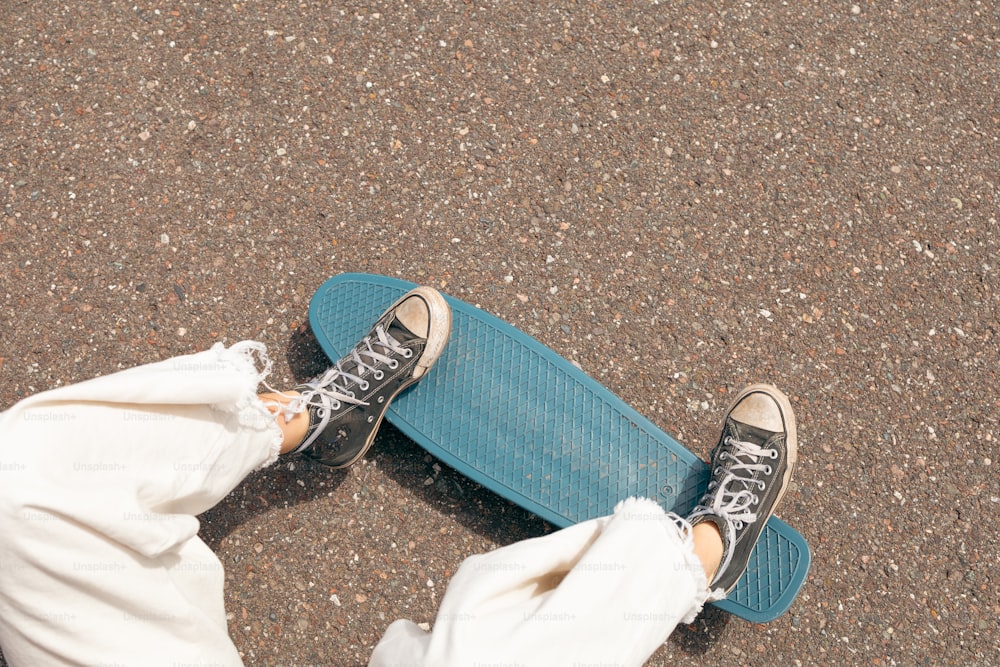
{"x": 708, "y": 548}
{"x": 295, "y": 426}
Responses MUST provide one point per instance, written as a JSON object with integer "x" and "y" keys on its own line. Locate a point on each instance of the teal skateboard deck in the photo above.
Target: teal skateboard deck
{"x": 516, "y": 417}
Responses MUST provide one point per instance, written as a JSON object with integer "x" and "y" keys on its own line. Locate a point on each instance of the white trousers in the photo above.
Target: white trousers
{"x": 100, "y": 563}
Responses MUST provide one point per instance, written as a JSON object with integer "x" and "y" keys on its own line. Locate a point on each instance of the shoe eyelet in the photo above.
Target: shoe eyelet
{"x": 773, "y": 453}
{"x": 379, "y": 375}
{"x": 763, "y": 486}
{"x": 371, "y": 419}
{"x": 767, "y": 470}
{"x": 351, "y": 394}
{"x": 364, "y": 385}
{"x": 393, "y": 364}
{"x": 407, "y": 353}
{"x": 756, "y": 499}
{"x": 381, "y": 399}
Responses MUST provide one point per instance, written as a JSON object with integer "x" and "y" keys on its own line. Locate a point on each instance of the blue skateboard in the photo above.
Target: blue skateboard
{"x": 519, "y": 419}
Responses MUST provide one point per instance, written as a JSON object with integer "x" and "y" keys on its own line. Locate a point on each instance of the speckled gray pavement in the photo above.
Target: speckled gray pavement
{"x": 681, "y": 197}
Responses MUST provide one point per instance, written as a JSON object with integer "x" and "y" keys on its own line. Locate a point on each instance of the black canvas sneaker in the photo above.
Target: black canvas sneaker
{"x": 347, "y": 403}
{"x": 751, "y": 468}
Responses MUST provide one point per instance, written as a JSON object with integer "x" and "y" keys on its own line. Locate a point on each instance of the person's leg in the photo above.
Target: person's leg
{"x": 611, "y": 590}
{"x": 605, "y": 591}
{"x": 101, "y": 483}
{"x": 100, "y": 487}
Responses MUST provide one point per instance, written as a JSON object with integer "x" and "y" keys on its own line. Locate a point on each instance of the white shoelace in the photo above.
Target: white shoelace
{"x": 330, "y": 389}
{"x": 737, "y": 504}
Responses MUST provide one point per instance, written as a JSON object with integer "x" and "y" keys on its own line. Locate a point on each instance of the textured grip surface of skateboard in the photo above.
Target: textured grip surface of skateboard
{"x": 516, "y": 417}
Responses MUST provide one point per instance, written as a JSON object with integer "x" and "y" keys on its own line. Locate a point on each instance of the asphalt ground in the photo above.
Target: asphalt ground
{"x": 681, "y": 197}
